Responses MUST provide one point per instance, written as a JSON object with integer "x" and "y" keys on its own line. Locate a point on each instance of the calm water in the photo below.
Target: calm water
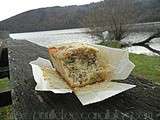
{"x": 46, "y": 38}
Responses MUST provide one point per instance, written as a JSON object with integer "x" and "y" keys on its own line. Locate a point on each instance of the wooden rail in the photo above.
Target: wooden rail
{"x": 139, "y": 103}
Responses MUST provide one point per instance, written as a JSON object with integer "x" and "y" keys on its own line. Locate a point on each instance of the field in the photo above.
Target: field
{"x": 147, "y": 67}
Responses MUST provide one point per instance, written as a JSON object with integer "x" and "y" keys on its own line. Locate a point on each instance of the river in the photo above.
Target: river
{"x": 45, "y": 38}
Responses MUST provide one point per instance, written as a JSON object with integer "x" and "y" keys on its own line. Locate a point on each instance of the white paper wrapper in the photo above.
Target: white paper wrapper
{"x": 48, "y": 80}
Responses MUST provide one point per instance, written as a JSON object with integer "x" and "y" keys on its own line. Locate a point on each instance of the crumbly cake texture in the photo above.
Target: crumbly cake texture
{"x": 79, "y": 64}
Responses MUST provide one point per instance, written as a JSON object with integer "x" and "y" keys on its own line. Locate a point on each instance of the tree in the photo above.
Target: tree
{"x": 113, "y": 16}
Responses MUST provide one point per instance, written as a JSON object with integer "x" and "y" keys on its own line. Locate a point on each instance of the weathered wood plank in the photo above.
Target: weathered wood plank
{"x": 137, "y": 103}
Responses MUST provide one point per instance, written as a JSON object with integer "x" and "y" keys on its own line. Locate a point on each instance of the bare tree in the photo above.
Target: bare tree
{"x": 113, "y": 16}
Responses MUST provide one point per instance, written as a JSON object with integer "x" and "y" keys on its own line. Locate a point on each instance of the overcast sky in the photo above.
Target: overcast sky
{"x": 10, "y": 8}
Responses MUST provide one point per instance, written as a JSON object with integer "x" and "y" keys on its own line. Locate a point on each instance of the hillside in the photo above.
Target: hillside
{"x": 45, "y": 19}
{"x": 52, "y": 18}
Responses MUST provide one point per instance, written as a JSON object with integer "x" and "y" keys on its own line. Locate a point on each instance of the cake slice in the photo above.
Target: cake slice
{"x": 79, "y": 64}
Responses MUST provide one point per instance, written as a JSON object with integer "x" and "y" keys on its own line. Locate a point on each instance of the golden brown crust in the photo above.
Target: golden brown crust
{"x": 58, "y": 55}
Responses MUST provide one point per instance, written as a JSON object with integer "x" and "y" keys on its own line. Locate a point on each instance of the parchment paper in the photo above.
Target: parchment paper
{"x": 47, "y": 78}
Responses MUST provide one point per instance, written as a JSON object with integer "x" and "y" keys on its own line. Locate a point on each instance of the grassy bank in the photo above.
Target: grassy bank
{"x": 4, "y": 84}
{"x": 147, "y": 67}
{"x": 5, "y": 113}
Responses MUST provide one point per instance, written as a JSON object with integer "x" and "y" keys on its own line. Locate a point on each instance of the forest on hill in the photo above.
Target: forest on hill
{"x": 54, "y": 18}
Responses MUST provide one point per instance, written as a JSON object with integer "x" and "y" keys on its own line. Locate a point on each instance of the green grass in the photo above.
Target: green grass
{"x": 147, "y": 67}
{"x": 5, "y": 113}
{"x": 4, "y": 84}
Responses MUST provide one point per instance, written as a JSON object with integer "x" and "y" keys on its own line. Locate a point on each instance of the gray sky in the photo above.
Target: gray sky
{"x": 10, "y": 8}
